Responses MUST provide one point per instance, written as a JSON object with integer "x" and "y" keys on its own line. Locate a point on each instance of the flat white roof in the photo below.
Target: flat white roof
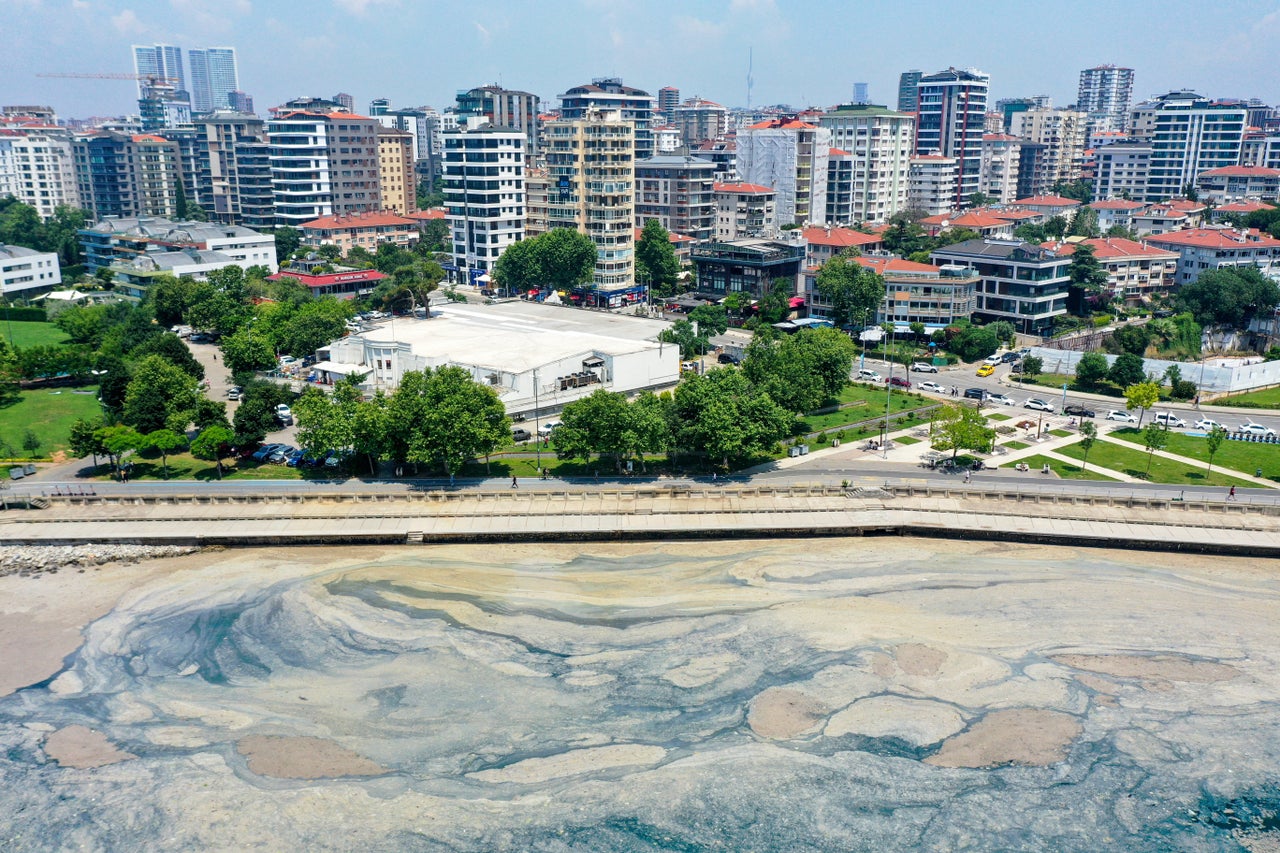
{"x": 517, "y": 336}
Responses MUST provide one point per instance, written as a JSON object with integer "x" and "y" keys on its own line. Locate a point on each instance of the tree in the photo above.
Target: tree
{"x": 711, "y": 319}
{"x": 1031, "y": 233}
{"x": 801, "y": 371}
{"x": 1056, "y": 227}
{"x": 170, "y": 297}
{"x": 246, "y": 351}
{"x": 444, "y": 417}
{"x": 1088, "y": 279}
{"x": 853, "y": 290}
{"x": 1132, "y": 338}
{"x": 656, "y": 262}
{"x": 974, "y": 342}
{"x": 981, "y": 200}
{"x": 959, "y": 428}
{"x": 723, "y": 415}
{"x": 1091, "y": 370}
{"x": 213, "y": 444}
{"x": 170, "y": 347}
{"x": 1081, "y": 190}
{"x": 10, "y": 375}
{"x": 1154, "y": 438}
{"x": 520, "y": 267}
{"x": 1032, "y": 366}
{"x": 288, "y": 239}
{"x": 106, "y": 277}
{"x": 567, "y": 258}
{"x": 84, "y": 439}
{"x": 600, "y": 423}
{"x": 166, "y": 441}
{"x": 1088, "y": 436}
{"x": 157, "y": 391}
{"x": 1213, "y": 441}
{"x": 682, "y": 333}
{"x": 906, "y": 237}
{"x": 1231, "y": 296}
{"x": 1141, "y": 396}
{"x": 31, "y": 441}
{"x": 1084, "y": 223}
{"x": 1128, "y": 369}
{"x": 117, "y": 441}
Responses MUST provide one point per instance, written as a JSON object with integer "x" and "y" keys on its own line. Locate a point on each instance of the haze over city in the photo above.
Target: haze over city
{"x": 803, "y": 53}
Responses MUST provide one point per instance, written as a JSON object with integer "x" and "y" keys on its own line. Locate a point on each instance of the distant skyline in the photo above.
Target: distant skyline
{"x": 806, "y": 53}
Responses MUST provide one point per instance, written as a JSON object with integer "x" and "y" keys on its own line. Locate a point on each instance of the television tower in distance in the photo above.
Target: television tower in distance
{"x": 751, "y": 81}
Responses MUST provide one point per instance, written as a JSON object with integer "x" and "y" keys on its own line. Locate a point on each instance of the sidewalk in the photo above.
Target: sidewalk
{"x": 1196, "y": 463}
{"x": 1118, "y": 402}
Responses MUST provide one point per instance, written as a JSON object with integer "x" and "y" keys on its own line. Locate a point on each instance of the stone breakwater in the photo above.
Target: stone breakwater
{"x": 38, "y": 559}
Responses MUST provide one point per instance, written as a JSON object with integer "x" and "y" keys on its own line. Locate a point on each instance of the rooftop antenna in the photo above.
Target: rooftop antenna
{"x": 751, "y": 81}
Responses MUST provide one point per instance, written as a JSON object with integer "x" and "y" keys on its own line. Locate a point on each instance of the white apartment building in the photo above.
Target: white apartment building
{"x": 323, "y": 164}
{"x": 1121, "y": 170}
{"x": 38, "y": 170}
{"x": 1063, "y": 133}
{"x": 931, "y": 183}
{"x": 791, "y": 156}
{"x": 1000, "y": 155}
{"x": 214, "y": 76}
{"x": 26, "y": 272}
{"x": 1105, "y": 94}
{"x": 950, "y": 123}
{"x": 1233, "y": 183}
{"x": 591, "y": 173}
{"x": 745, "y": 211}
{"x": 1188, "y": 134}
{"x": 484, "y": 195}
{"x": 1202, "y": 249}
{"x": 878, "y": 142}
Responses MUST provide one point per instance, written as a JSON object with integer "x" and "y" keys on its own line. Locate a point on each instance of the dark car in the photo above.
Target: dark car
{"x": 1010, "y": 357}
{"x": 975, "y": 393}
{"x": 521, "y": 435}
{"x": 725, "y": 358}
{"x": 1079, "y": 411}
{"x": 899, "y": 382}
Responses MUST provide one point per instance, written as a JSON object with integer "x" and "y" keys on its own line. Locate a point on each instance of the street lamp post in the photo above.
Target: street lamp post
{"x": 537, "y": 436}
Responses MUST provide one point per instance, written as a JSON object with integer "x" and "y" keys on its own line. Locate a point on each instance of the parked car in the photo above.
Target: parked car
{"x": 234, "y": 392}
{"x": 923, "y": 367}
{"x": 281, "y": 454}
{"x": 1076, "y": 410}
{"x": 1250, "y": 428}
{"x": 1038, "y": 405}
{"x": 1122, "y": 416}
{"x": 1209, "y": 425}
{"x": 287, "y": 361}
{"x": 1010, "y": 357}
{"x": 283, "y": 411}
{"x": 264, "y": 451}
{"x": 295, "y": 458}
{"x": 1001, "y": 400}
{"x": 870, "y": 376}
{"x": 547, "y": 428}
{"x": 725, "y": 358}
{"x": 1170, "y": 420}
{"x": 899, "y": 381}
{"x": 519, "y": 434}
{"x": 976, "y": 393}
{"x": 931, "y": 386}
{"x": 986, "y": 370}
{"x": 993, "y": 359}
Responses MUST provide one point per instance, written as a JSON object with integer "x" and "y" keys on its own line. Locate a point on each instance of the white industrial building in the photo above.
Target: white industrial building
{"x": 537, "y": 357}
{"x": 25, "y": 272}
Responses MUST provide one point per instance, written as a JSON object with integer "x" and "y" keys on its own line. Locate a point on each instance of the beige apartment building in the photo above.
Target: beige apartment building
{"x": 396, "y": 175}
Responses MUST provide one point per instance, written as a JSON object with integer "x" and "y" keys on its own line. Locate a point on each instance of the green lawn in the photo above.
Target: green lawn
{"x": 1133, "y": 461}
{"x": 1016, "y": 445}
{"x": 1065, "y": 470}
{"x": 1239, "y": 455}
{"x": 996, "y": 416}
{"x": 1268, "y": 398}
{"x": 1060, "y": 433}
{"x": 48, "y": 411}
{"x": 28, "y": 333}
{"x": 906, "y": 439}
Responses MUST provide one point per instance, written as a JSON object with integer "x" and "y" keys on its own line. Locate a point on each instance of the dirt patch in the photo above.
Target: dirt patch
{"x": 1020, "y": 736}
{"x": 303, "y": 758}
{"x": 782, "y": 713}
{"x": 919, "y": 659}
{"x": 83, "y": 748}
{"x": 1153, "y": 667}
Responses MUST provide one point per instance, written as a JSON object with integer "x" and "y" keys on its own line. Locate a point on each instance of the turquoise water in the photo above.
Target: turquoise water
{"x": 622, "y": 698}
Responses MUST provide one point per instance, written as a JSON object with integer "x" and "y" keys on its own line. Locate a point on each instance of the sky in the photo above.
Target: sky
{"x": 803, "y": 52}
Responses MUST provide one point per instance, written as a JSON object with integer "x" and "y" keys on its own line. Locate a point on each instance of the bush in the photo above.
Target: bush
{"x": 36, "y": 315}
{"x": 1183, "y": 389}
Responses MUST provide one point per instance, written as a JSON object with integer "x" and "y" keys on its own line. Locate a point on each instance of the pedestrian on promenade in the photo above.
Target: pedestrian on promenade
{"x": 513, "y": 481}
{"x": 1231, "y": 495}
{"x": 968, "y": 476}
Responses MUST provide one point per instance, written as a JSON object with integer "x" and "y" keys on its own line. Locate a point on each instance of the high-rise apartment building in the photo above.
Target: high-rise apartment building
{"x": 347, "y": 102}
{"x": 1121, "y": 170}
{"x": 537, "y": 194}
{"x": 791, "y": 156}
{"x": 1009, "y": 108}
{"x": 1105, "y": 94}
{"x": 162, "y": 61}
{"x": 607, "y": 94}
{"x": 323, "y": 164}
{"x": 504, "y": 108}
{"x": 699, "y": 120}
{"x": 909, "y": 91}
{"x": 234, "y": 171}
{"x": 240, "y": 102}
{"x": 591, "y": 169}
{"x": 879, "y": 146}
{"x": 214, "y": 76}
{"x": 37, "y": 169}
{"x": 931, "y": 183}
{"x": 162, "y": 105}
{"x": 678, "y": 191}
{"x": 1000, "y": 155}
{"x": 484, "y": 172}
{"x": 668, "y": 100}
{"x": 953, "y": 104}
{"x": 395, "y": 170}
{"x": 379, "y": 107}
{"x": 1064, "y": 135}
{"x": 745, "y": 211}
{"x": 1188, "y": 134}
{"x": 121, "y": 175}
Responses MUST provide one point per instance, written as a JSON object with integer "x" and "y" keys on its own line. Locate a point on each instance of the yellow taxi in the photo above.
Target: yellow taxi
{"x": 986, "y": 370}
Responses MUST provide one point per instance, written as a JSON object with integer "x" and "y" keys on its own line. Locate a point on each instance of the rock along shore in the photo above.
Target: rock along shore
{"x": 27, "y": 560}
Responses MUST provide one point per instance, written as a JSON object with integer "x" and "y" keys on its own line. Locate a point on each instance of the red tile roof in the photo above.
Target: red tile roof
{"x": 673, "y": 237}
{"x": 1215, "y": 238}
{"x": 1015, "y": 215}
{"x": 742, "y": 187}
{"x": 782, "y": 124}
{"x": 1243, "y": 207}
{"x": 1000, "y": 137}
{"x": 886, "y": 265}
{"x": 311, "y": 280}
{"x": 1047, "y": 201}
{"x": 836, "y": 152}
{"x": 429, "y": 213}
{"x": 358, "y": 220}
{"x": 969, "y": 219}
{"x": 1241, "y": 172}
{"x": 1105, "y": 248}
{"x": 1161, "y": 211}
{"x": 1184, "y": 205}
{"x": 840, "y": 238}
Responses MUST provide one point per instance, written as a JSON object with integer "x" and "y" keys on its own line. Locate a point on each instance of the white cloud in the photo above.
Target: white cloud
{"x": 128, "y": 22}
{"x": 80, "y": 5}
{"x": 697, "y": 29}
{"x": 485, "y": 36}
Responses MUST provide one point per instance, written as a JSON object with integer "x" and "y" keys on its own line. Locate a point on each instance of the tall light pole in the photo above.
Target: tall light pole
{"x": 537, "y": 432}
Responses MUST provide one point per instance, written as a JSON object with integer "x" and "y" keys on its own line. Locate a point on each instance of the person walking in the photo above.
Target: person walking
{"x": 513, "y": 481}
{"x": 1231, "y": 495}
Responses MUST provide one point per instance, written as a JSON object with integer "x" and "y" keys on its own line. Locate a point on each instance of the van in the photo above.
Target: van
{"x": 519, "y": 434}
{"x": 870, "y": 376}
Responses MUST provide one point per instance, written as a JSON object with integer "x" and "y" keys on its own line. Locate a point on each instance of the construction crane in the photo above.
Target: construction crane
{"x": 149, "y": 79}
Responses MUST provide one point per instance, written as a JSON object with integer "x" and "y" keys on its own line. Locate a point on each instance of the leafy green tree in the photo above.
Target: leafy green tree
{"x": 599, "y": 423}
{"x": 84, "y": 324}
{"x": 256, "y": 415}
{"x": 1031, "y": 233}
{"x": 955, "y": 235}
{"x": 1132, "y": 338}
{"x": 84, "y": 438}
{"x": 776, "y": 304}
{"x": 117, "y": 441}
{"x": 245, "y": 351}
{"x": 1128, "y": 369}
{"x": 113, "y": 382}
{"x": 343, "y": 420}
{"x": 31, "y": 441}
{"x": 1141, "y": 396}
{"x": 981, "y": 200}
{"x": 1154, "y": 438}
{"x": 957, "y": 428}
{"x": 1088, "y": 437}
{"x": 1088, "y": 279}
{"x": 288, "y": 240}
{"x": 906, "y": 237}
{"x": 682, "y": 334}
{"x": 723, "y": 415}
{"x": 170, "y": 297}
{"x": 567, "y": 257}
{"x": 1091, "y": 371}
{"x": 711, "y": 319}
{"x": 443, "y": 417}
{"x": 213, "y": 309}
{"x": 213, "y": 444}
{"x": 1084, "y": 223}
{"x": 801, "y": 371}
{"x": 436, "y": 237}
{"x": 1081, "y": 190}
{"x": 1213, "y": 442}
{"x": 974, "y": 342}
{"x": 1032, "y": 366}
{"x": 1231, "y": 296}
{"x": 1055, "y": 228}
{"x": 165, "y": 441}
{"x": 519, "y": 268}
{"x": 157, "y": 390}
{"x": 303, "y": 329}
{"x": 10, "y": 374}
{"x": 656, "y": 262}
{"x": 170, "y": 347}
{"x": 853, "y": 290}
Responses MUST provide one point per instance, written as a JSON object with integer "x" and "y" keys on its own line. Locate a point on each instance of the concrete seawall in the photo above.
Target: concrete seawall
{"x": 652, "y": 513}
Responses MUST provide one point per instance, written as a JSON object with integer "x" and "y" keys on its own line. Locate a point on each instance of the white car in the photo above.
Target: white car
{"x": 923, "y": 367}
{"x": 1122, "y": 416}
{"x": 1251, "y": 428}
{"x": 870, "y": 376}
{"x": 1038, "y": 404}
{"x": 993, "y": 360}
{"x": 1169, "y": 420}
{"x": 283, "y": 412}
{"x": 932, "y": 386}
{"x": 1208, "y": 425}
{"x": 1001, "y": 400}
{"x": 545, "y": 430}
